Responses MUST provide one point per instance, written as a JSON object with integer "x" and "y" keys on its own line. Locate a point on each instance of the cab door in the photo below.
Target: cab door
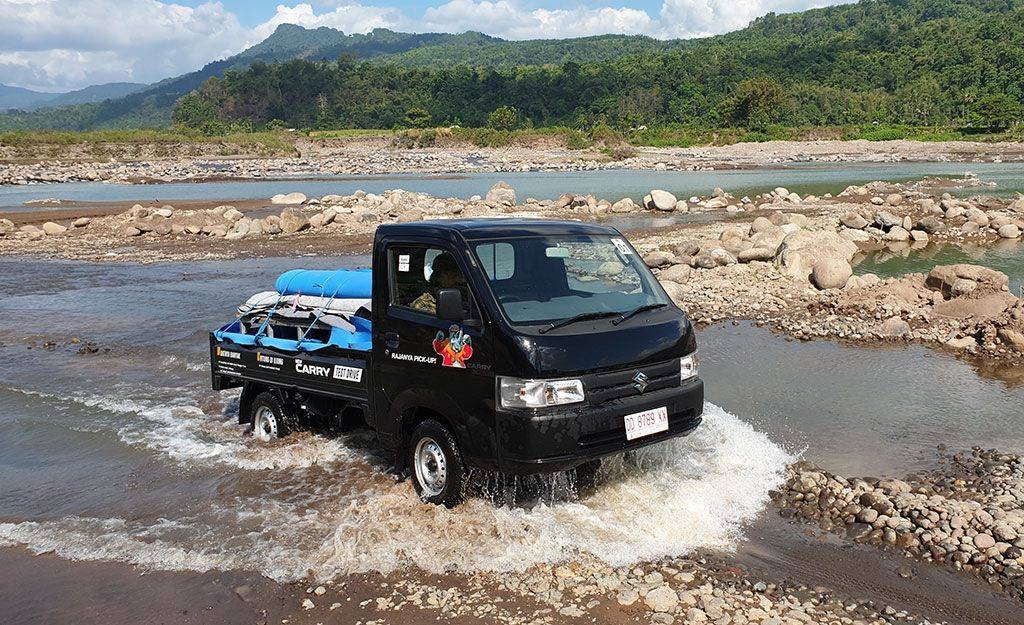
{"x": 422, "y": 361}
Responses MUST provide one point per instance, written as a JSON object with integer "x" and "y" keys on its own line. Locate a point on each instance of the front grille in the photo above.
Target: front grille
{"x": 616, "y": 437}
{"x": 613, "y": 385}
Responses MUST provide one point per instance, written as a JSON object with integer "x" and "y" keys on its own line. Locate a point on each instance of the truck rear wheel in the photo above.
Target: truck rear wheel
{"x": 268, "y": 418}
{"x": 437, "y": 469}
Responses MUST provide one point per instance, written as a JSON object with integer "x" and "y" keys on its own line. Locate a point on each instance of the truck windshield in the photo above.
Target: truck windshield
{"x": 540, "y": 280}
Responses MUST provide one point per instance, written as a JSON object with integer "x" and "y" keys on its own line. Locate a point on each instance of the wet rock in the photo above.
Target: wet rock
{"x": 897, "y": 233}
{"x": 966, "y": 343}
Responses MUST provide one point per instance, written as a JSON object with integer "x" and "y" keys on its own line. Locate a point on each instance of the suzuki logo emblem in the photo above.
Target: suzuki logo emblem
{"x": 640, "y": 381}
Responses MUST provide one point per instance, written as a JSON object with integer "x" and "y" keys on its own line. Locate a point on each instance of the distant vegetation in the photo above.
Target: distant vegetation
{"x": 877, "y": 69}
{"x": 953, "y": 63}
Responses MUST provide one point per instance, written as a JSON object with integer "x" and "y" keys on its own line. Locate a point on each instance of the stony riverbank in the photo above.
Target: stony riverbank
{"x": 780, "y": 258}
{"x": 697, "y": 589}
{"x": 967, "y": 514}
{"x": 314, "y": 158}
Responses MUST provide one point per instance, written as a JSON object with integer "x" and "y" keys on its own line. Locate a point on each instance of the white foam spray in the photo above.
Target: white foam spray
{"x": 338, "y": 512}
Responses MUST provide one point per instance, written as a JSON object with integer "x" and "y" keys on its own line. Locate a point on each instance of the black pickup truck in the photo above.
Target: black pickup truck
{"x": 517, "y": 346}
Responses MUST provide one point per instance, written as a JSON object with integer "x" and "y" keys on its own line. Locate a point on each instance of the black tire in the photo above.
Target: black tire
{"x": 268, "y": 417}
{"x": 586, "y": 475}
{"x": 435, "y": 464}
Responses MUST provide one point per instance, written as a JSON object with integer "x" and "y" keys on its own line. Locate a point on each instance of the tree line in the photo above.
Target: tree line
{"x": 934, "y": 62}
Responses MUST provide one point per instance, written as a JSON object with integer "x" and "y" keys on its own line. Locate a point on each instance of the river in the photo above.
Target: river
{"x": 610, "y": 184}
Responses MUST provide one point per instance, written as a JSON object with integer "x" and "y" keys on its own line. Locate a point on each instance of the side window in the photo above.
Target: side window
{"x": 419, "y": 272}
{"x": 498, "y": 260}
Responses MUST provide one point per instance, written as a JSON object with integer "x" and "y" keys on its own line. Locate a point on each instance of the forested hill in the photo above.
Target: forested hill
{"x": 151, "y": 107}
{"x": 908, "y": 61}
{"x": 914, "y": 61}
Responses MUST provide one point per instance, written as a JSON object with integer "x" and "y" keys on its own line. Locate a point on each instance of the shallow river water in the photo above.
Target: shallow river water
{"x": 128, "y": 455}
{"x": 611, "y": 184}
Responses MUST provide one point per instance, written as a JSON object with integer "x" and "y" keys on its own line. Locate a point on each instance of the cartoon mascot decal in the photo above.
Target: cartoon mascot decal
{"x": 456, "y": 349}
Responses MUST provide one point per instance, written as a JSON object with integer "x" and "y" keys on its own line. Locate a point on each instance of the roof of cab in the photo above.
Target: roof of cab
{"x": 491, "y": 228}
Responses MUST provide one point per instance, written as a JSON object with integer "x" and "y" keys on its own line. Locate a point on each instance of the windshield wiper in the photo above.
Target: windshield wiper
{"x": 636, "y": 311}
{"x": 580, "y": 317}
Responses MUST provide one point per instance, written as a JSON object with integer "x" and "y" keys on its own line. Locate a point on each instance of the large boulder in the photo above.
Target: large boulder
{"x": 1009, "y": 231}
{"x": 854, "y": 220}
{"x": 51, "y": 228}
{"x": 831, "y": 273}
{"x": 288, "y": 198}
{"x": 625, "y": 205}
{"x": 292, "y": 222}
{"x": 659, "y": 258}
{"x": 676, "y": 273}
{"x": 947, "y": 279}
{"x": 802, "y": 250}
{"x": 502, "y": 193}
{"x": 662, "y": 200}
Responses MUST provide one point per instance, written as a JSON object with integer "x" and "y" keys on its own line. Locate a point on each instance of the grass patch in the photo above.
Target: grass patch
{"x": 97, "y": 140}
{"x": 350, "y": 132}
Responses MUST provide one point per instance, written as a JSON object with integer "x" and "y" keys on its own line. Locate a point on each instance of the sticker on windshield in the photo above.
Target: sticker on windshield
{"x": 403, "y": 262}
{"x": 622, "y": 246}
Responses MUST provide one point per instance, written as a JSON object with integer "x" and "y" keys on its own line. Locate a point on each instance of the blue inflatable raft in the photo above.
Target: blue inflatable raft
{"x": 295, "y": 290}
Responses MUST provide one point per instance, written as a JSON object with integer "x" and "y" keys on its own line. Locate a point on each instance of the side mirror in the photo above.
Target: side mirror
{"x": 449, "y": 305}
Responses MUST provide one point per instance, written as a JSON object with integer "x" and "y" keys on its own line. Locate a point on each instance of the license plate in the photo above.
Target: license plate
{"x": 640, "y": 424}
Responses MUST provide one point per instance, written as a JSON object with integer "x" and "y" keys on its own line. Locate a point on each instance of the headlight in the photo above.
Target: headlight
{"x": 519, "y": 393}
{"x": 688, "y": 367}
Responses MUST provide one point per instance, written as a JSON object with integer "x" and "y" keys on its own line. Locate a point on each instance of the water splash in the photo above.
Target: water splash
{"x": 345, "y": 513}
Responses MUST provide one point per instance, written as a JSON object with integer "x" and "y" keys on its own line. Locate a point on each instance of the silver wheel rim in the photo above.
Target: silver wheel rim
{"x": 431, "y": 467}
{"x": 265, "y": 427}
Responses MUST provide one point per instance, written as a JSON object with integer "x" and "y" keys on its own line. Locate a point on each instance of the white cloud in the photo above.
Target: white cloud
{"x": 56, "y": 45}
{"x": 700, "y": 18}
{"x": 348, "y": 18}
{"x": 507, "y": 19}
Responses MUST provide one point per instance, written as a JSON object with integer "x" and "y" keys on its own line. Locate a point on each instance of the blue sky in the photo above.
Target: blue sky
{"x": 59, "y": 45}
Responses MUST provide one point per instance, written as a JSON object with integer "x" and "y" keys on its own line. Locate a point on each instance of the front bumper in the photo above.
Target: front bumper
{"x": 564, "y": 438}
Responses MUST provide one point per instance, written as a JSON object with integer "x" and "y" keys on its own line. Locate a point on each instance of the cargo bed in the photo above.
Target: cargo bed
{"x": 332, "y": 371}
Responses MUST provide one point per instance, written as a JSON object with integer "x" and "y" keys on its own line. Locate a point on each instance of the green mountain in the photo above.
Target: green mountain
{"x": 29, "y": 100}
{"x": 922, "y": 62}
{"x": 151, "y": 107}
{"x": 20, "y": 98}
{"x": 911, "y": 61}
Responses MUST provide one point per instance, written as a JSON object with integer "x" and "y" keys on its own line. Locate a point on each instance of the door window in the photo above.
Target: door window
{"x": 419, "y": 272}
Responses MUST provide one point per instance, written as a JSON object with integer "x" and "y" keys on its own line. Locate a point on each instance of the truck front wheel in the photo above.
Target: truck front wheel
{"x": 268, "y": 418}
{"x": 437, "y": 469}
